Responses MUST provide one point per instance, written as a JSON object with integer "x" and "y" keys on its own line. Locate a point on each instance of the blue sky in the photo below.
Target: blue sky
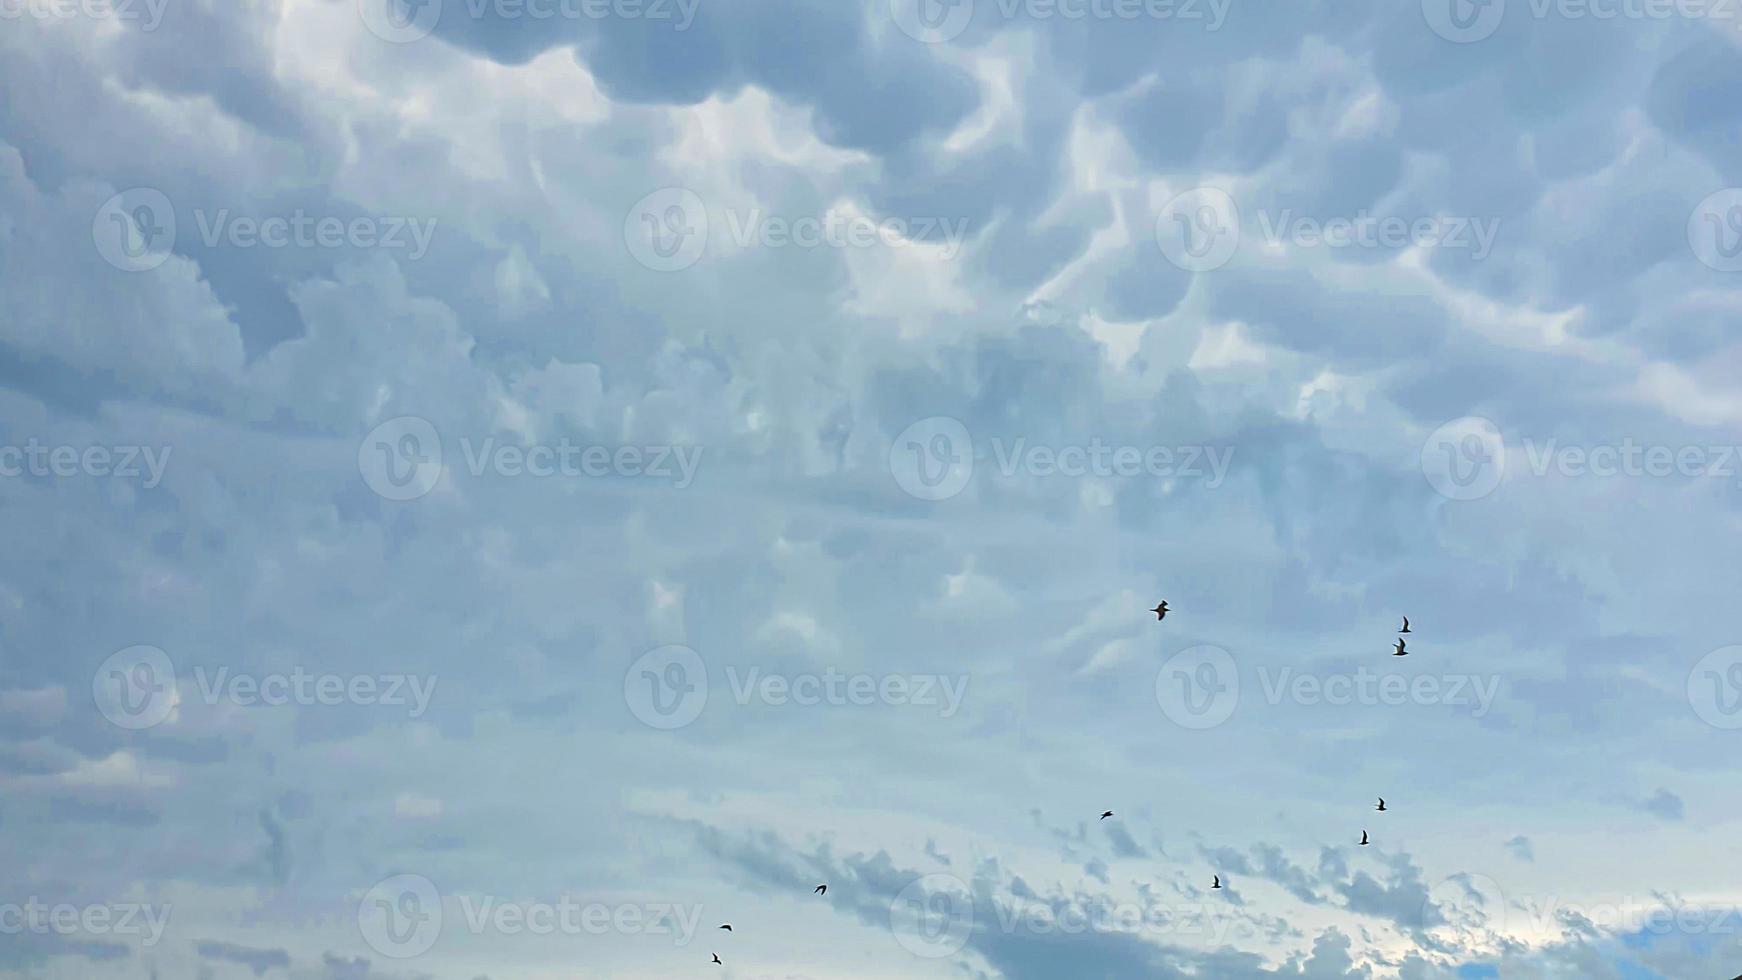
{"x": 499, "y": 488}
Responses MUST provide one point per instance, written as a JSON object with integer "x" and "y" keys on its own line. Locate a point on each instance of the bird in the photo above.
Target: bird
{"x": 1363, "y": 838}
{"x": 1381, "y": 806}
{"x": 1106, "y": 815}
{"x": 727, "y": 927}
{"x": 1160, "y": 611}
{"x": 717, "y": 959}
{"x": 821, "y": 890}
{"x": 1217, "y": 882}
{"x": 1405, "y": 625}
{"x": 1402, "y": 650}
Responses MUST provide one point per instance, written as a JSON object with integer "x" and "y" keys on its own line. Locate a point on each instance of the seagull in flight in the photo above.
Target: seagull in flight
{"x": 727, "y": 927}
{"x": 821, "y": 890}
{"x": 1160, "y": 611}
{"x": 1401, "y": 650}
{"x": 1381, "y": 806}
{"x": 1106, "y": 815}
{"x": 1363, "y": 838}
{"x": 1405, "y": 625}
{"x": 717, "y": 959}
{"x": 1218, "y": 881}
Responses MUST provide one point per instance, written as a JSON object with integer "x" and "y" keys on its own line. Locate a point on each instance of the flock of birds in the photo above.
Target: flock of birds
{"x": 1161, "y": 610}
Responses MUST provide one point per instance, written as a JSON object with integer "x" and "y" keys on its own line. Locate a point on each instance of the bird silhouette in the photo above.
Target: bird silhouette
{"x": 1405, "y": 625}
{"x": 727, "y": 927}
{"x": 1363, "y": 838}
{"x": 1106, "y": 815}
{"x": 1381, "y": 806}
{"x": 717, "y": 959}
{"x": 1217, "y": 882}
{"x": 821, "y": 890}
{"x": 1401, "y": 650}
{"x": 1160, "y": 611}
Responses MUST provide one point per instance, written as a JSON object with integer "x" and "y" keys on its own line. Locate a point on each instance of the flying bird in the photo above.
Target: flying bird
{"x": 1218, "y": 881}
{"x": 717, "y": 959}
{"x": 1160, "y": 611}
{"x": 1106, "y": 815}
{"x": 1363, "y": 838}
{"x": 1381, "y": 806}
{"x": 1405, "y": 625}
{"x": 1401, "y": 650}
{"x": 821, "y": 890}
{"x": 727, "y": 927}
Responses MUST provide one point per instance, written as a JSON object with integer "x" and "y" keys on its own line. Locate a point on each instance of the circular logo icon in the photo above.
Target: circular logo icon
{"x": 667, "y": 230}
{"x": 933, "y": 459}
{"x": 1463, "y": 21}
{"x": 400, "y": 21}
{"x": 1465, "y": 904}
{"x": 1715, "y": 230}
{"x": 401, "y": 916}
{"x": 134, "y": 231}
{"x": 401, "y": 459}
{"x": 933, "y": 916}
{"x": 932, "y": 21}
{"x": 1198, "y": 687}
{"x": 135, "y": 688}
{"x": 1199, "y": 230}
{"x": 1465, "y": 459}
{"x": 667, "y": 688}
{"x": 1715, "y": 688}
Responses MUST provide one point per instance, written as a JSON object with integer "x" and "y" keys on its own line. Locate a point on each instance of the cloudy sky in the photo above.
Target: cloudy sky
{"x": 500, "y": 488}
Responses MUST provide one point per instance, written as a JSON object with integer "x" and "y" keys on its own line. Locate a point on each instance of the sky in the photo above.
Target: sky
{"x": 501, "y": 488}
